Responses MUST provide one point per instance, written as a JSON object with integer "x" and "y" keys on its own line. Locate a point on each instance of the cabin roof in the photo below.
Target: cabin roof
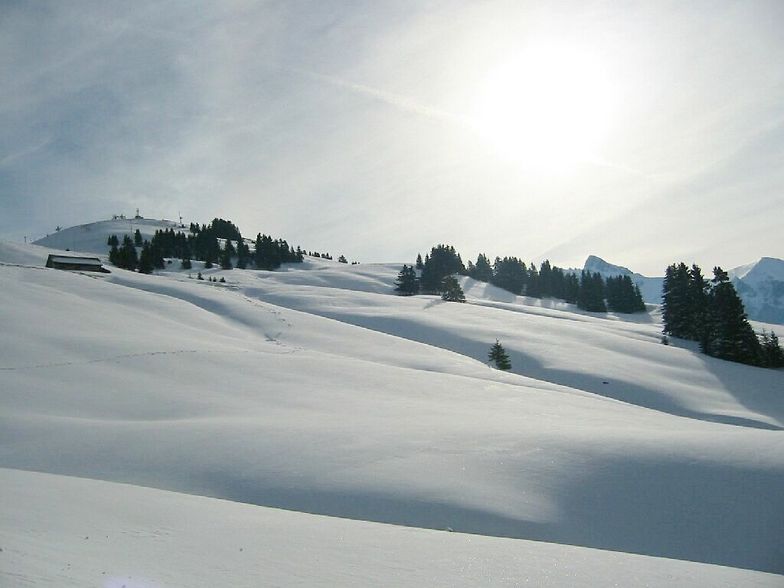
{"x": 74, "y": 260}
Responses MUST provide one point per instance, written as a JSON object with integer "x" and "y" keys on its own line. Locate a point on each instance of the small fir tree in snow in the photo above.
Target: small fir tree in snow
{"x": 451, "y": 290}
{"x": 499, "y": 357}
{"x": 407, "y": 283}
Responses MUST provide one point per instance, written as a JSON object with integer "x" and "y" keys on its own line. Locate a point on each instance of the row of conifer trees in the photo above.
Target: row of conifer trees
{"x": 711, "y": 313}
{"x": 201, "y": 243}
{"x": 589, "y": 291}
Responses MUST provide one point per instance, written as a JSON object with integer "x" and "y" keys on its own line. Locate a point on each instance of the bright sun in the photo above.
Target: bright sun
{"x": 547, "y": 108}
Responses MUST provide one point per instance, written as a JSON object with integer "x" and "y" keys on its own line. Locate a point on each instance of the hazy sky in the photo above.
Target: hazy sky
{"x": 642, "y": 132}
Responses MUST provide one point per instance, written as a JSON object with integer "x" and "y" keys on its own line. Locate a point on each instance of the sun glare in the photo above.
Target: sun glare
{"x": 548, "y": 108}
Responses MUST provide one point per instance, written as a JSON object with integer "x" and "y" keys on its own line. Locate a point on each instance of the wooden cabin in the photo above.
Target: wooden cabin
{"x": 71, "y": 262}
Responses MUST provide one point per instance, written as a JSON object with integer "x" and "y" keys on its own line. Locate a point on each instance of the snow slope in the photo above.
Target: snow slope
{"x": 117, "y": 535}
{"x": 316, "y": 390}
{"x": 92, "y": 237}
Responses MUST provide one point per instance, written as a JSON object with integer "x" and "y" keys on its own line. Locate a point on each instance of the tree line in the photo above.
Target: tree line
{"x": 711, "y": 313}
{"x": 589, "y": 291}
{"x": 201, "y": 243}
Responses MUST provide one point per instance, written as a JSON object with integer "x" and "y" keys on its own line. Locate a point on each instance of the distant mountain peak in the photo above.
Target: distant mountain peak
{"x": 763, "y": 268}
{"x": 594, "y": 263}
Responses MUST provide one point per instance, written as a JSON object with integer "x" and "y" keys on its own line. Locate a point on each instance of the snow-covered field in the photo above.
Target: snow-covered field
{"x": 66, "y": 531}
{"x": 316, "y": 390}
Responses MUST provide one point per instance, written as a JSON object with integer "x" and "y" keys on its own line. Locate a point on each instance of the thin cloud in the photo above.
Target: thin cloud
{"x": 398, "y": 101}
{"x": 11, "y": 157}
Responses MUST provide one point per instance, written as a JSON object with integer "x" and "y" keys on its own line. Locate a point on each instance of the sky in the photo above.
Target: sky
{"x": 642, "y": 132}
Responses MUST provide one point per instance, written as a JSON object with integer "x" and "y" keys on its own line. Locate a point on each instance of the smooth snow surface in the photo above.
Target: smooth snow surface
{"x": 74, "y": 532}
{"x": 317, "y": 390}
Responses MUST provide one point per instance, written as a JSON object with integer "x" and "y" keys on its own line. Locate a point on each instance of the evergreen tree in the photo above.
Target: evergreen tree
{"x": 545, "y": 279}
{"x": 443, "y": 261}
{"x": 225, "y": 259}
{"x": 156, "y": 256}
{"x": 533, "y": 286}
{"x": 499, "y": 357}
{"x": 571, "y": 288}
{"x": 729, "y": 334}
{"x": 224, "y": 229}
{"x": 419, "y": 264}
{"x": 113, "y": 241}
{"x": 342, "y": 259}
{"x": 126, "y": 255}
{"x": 145, "y": 259}
{"x": 407, "y": 283}
{"x": 186, "y": 263}
{"x": 137, "y": 238}
{"x": 482, "y": 271}
{"x": 623, "y": 295}
{"x": 772, "y": 353}
{"x": 675, "y": 302}
{"x": 451, "y": 290}
{"x": 510, "y": 274}
{"x": 697, "y": 306}
{"x": 114, "y": 256}
{"x": 591, "y": 295}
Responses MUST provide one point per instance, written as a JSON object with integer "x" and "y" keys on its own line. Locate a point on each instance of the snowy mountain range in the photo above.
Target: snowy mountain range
{"x": 307, "y": 426}
{"x": 760, "y": 285}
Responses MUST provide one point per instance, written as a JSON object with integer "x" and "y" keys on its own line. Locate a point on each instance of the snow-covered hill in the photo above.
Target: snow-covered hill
{"x": 760, "y": 285}
{"x": 316, "y": 390}
{"x": 93, "y": 237}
